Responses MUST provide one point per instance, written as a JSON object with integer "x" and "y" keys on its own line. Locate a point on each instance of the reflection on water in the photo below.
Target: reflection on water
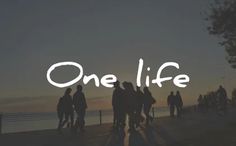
{"x": 18, "y": 122}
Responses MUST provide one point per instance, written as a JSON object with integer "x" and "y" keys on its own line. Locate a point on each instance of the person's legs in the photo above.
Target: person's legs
{"x": 146, "y": 112}
{"x": 172, "y": 110}
{"x": 149, "y": 109}
{"x": 178, "y": 111}
{"x": 66, "y": 120}
{"x": 71, "y": 119}
{"x": 150, "y": 118}
{"x": 131, "y": 120}
{"x": 77, "y": 121}
{"x": 138, "y": 115}
{"x": 122, "y": 118}
{"x": 115, "y": 119}
{"x": 81, "y": 119}
{"x": 119, "y": 118}
{"x": 60, "y": 117}
{"x": 136, "y": 119}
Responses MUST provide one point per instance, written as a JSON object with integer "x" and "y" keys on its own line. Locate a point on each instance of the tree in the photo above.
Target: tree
{"x": 222, "y": 23}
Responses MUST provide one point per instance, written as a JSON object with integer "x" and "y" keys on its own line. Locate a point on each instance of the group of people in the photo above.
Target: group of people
{"x": 175, "y": 102}
{"x": 66, "y": 107}
{"x": 214, "y": 100}
{"x": 128, "y": 102}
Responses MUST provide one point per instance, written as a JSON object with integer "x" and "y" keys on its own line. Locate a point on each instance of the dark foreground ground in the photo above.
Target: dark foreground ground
{"x": 193, "y": 129}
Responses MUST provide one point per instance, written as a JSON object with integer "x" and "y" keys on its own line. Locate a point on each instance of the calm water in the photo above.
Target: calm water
{"x": 18, "y": 122}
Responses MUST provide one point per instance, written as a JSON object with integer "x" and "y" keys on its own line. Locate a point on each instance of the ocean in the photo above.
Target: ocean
{"x": 21, "y": 122}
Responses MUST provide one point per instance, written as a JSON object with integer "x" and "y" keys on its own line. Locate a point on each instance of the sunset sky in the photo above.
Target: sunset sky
{"x": 105, "y": 36}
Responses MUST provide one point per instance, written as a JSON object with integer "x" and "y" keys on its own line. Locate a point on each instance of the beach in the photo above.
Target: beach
{"x": 193, "y": 129}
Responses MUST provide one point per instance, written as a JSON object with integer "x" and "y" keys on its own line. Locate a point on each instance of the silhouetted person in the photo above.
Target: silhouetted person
{"x": 66, "y": 106}
{"x": 118, "y": 107}
{"x": 130, "y": 106}
{"x": 123, "y": 107}
{"x": 178, "y": 103}
{"x": 80, "y": 105}
{"x": 171, "y": 103}
{"x": 212, "y": 97}
{"x": 222, "y": 96}
{"x": 60, "y": 112}
{"x": 200, "y": 103}
{"x": 140, "y": 102}
{"x": 205, "y": 103}
{"x": 148, "y": 102}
